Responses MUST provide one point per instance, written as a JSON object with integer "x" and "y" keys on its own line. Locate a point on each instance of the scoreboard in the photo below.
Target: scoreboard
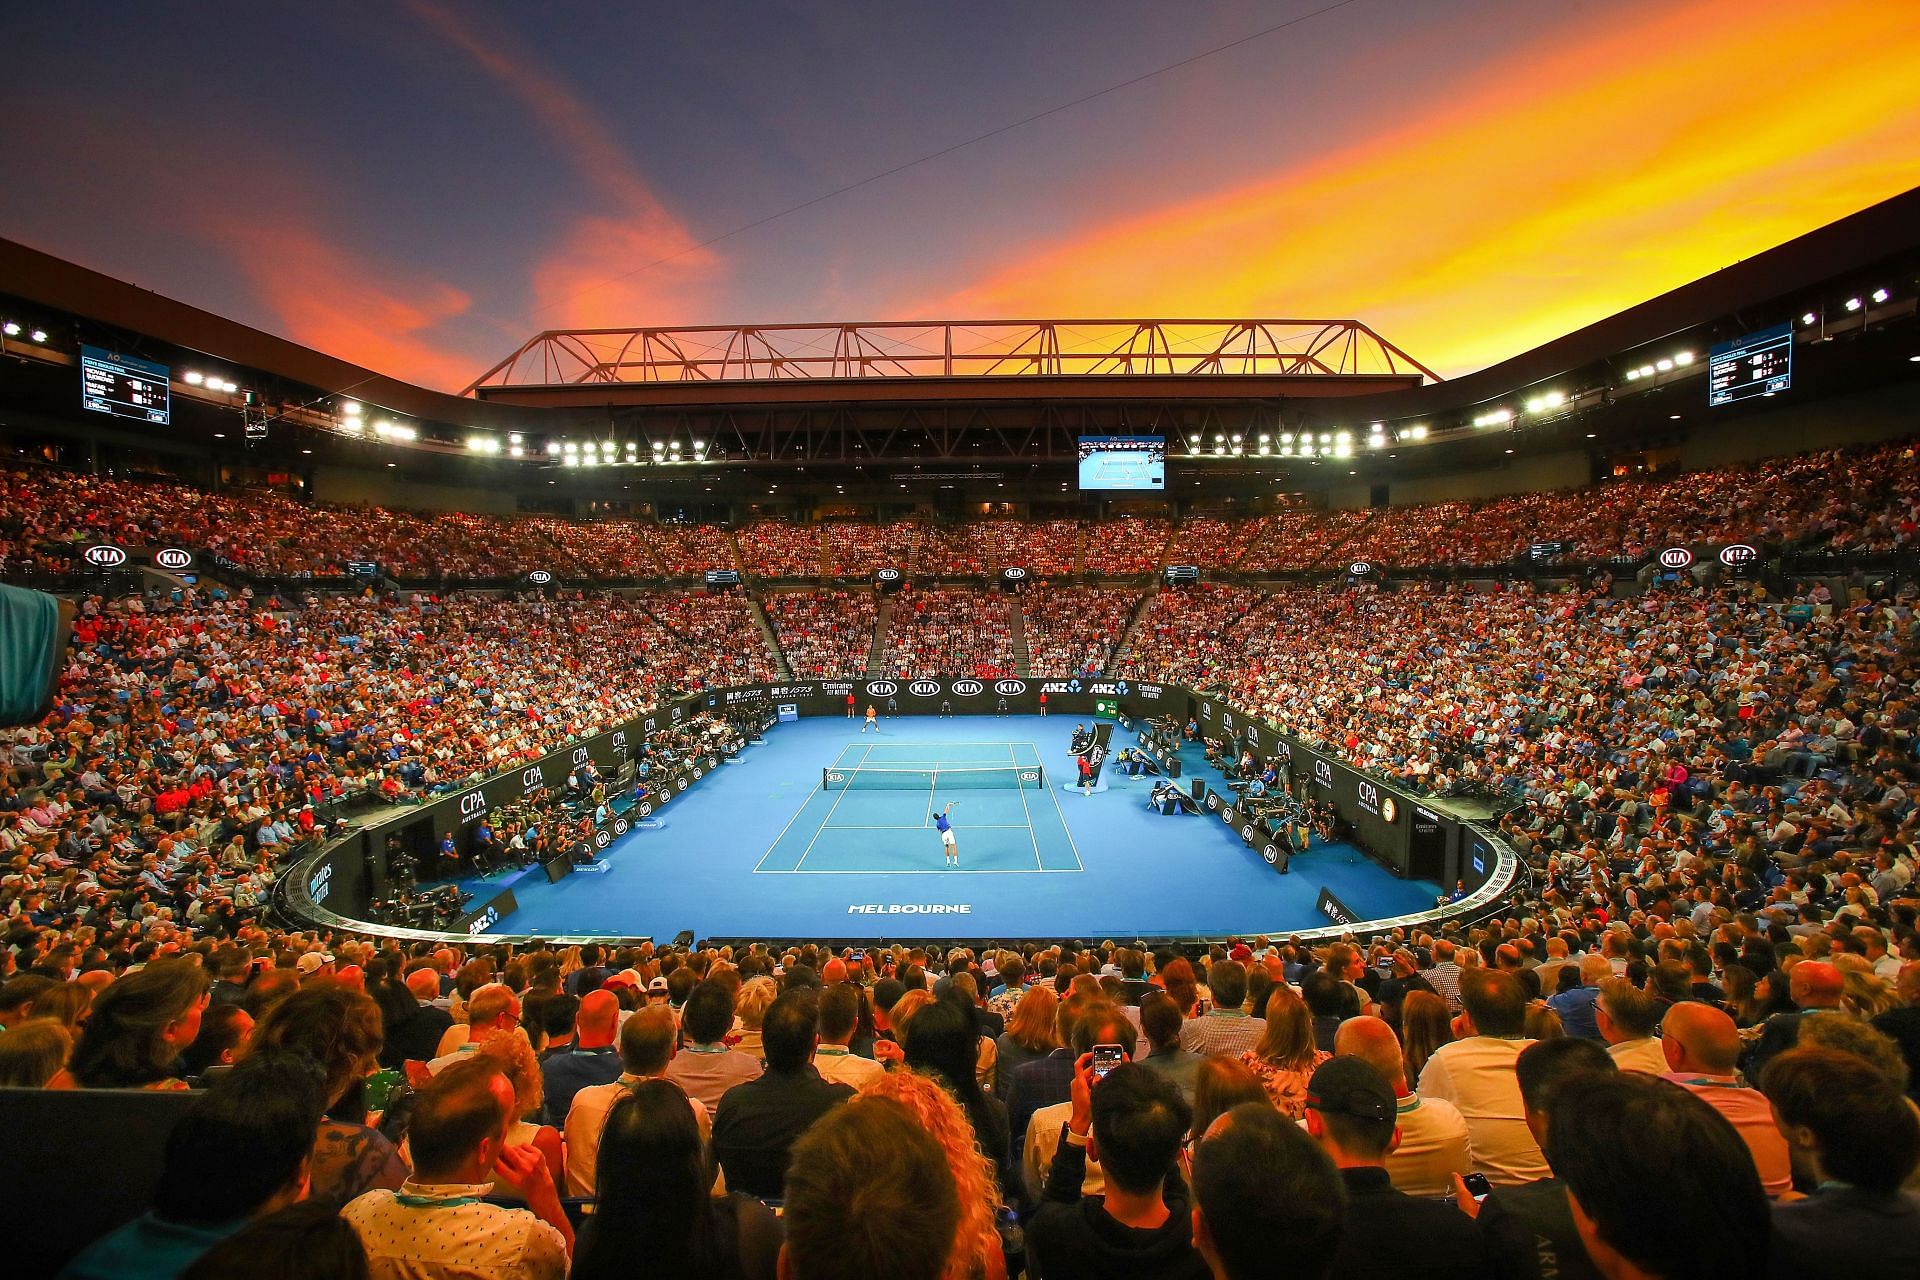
{"x": 124, "y": 386}
{"x": 1756, "y": 365}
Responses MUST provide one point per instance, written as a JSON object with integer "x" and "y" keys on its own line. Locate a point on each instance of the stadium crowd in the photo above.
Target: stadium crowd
{"x": 780, "y": 549}
{"x": 952, "y": 631}
{"x": 823, "y": 633}
{"x": 1129, "y": 545}
{"x": 1073, "y": 630}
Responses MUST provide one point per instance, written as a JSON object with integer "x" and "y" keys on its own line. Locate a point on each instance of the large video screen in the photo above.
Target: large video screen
{"x": 1123, "y": 462}
{"x": 1757, "y": 365}
{"x": 123, "y": 386}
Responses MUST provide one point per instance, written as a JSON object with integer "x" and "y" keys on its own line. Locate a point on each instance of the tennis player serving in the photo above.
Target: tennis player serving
{"x": 945, "y": 826}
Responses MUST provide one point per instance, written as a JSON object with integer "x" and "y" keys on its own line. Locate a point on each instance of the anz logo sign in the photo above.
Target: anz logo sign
{"x": 173, "y": 558}
{"x": 882, "y": 688}
{"x": 1010, "y": 688}
{"x": 473, "y": 804}
{"x": 105, "y": 556}
{"x": 923, "y": 688}
{"x": 483, "y": 922}
{"x": 1322, "y": 773}
{"x": 968, "y": 688}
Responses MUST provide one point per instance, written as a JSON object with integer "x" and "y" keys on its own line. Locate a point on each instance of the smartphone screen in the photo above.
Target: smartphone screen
{"x": 1105, "y": 1058}
{"x": 1477, "y": 1186}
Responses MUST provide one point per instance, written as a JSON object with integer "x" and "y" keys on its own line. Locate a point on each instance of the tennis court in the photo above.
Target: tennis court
{"x": 874, "y": 807}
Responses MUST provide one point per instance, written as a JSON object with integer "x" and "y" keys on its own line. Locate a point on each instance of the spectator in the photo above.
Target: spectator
{"x": 1432, "y": 1147}
{"x": 139, "y": 1028}
{"x": 759, "y": 1121}
{"x": 656, "y": 1198}
{"x": 1132, "y": 1122}
{"x": 1856, "y": 1140}
{"x": 1032, "y": 1033}
{"x": 705, "y": 1067}
{"x": 1659, "y": 1184}
{"x": 34, "y": 1056}
{"x": 978, "y": 1254}
{"x": 1425, "y": 1025}
{"x": 839, "y": 1021}
{"x": 225, "y": 1030}
{"x": 1476, "y": 1075}
{"x": 417, "y": 1037}
{"x": 1286, "y": 1055}
{"x": 338, "y": 1031}
{"x": 1225, "y": 1027}
{"x": 1269, "y": 1204}
{"x": 516, "y": 1059}
{"x": 646, "y": 1046}
{"x": 1625, "y": 1016}
{"x": 304, "y": 1241}
{"x": 1816, "y": 990}
{"x": 1161, "y": 1023}
{"x": 1097, "y": 1024}
{"x": 592, "y": 1058}
{"x": 437, "y": 1225}
{"x": 1702, "y": 1048}
{"x": 870, "y": 1196}
{"x": 492, "y": 1007}
{"x": 239, "y": 1153}
{"x": 941, "y": 1042}
{"x": 1577, "y": 1005}
{"x": 1528, "y": 1229}
{"x": 1352, "y": 1114}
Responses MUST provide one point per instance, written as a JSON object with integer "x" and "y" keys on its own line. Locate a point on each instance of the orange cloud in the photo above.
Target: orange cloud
{"x": 1606, "y": 163}
{"x": 608, "y": 268}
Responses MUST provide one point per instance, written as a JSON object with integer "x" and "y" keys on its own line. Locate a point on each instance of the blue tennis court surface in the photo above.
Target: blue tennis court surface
{"x": 768, "y": 847}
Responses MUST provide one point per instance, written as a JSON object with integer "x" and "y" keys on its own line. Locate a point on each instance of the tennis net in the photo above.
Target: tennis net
{"x": 932, "y": 777}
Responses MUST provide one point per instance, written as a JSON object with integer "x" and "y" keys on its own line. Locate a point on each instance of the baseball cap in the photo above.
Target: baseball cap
{"x": 1351, "y": 1086}
{"x": 657, "y": 984}
{"x": 1241, "y": 954}
{"x": 621, "y": 979}
{"x": 313, "y": 961}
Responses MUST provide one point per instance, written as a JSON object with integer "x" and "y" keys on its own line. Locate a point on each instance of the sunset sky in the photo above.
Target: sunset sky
{"x": 420, "y": 185}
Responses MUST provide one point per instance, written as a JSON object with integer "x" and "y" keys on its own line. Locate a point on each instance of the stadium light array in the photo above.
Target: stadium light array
{"x": 11, "y": 329}
{"x": 1879, "y": 295}
{"x": 1494, "y": 418}
{"x": 1853, "y": 304}
{"x": 38, "y": 335}
{"x": 483, "y": 444}
{"x": 395, "y": 430}
{"x": 516, "y": 451}
{"x": 514, "y": 437}
{"x": 553, "y": 448}
{"x": 1809, "y": 318}
{"x": 1418, "y": 432}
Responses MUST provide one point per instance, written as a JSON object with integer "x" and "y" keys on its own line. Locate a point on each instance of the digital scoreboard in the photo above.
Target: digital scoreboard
{"x": 1756, "y": 365}
{"x": 1123, "y": 462}
{"x": 124, "y": 386}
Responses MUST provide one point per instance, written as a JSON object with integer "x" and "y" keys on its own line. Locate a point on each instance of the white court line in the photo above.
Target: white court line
{"x": 1071, "y": 844}
{"x": 1013, "y": 759}
{"x": 951, "y": 871}
{"x": 971, "y": 826}
{"x": 797, "y": 812}
{"x": 829, "y": 818}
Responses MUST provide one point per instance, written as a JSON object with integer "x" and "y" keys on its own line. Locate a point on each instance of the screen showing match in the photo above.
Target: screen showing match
{"x": 1123, "y": 462}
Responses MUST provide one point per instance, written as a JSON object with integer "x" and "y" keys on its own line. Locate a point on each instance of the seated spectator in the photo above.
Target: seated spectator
{"x": 1161, "y": 1023}
{"x": 705, "y": 1067}
{"x": 34, "y": 1056}
{"x": 646, "y": 1046}
{"x": 1132, "y": 1122}
{"x": 304, "y": 1241}
{"x": 492, "y": 1007}
{"x": 941, "y": 1041}
{"x": 1432, "y": 1147}
{"x": 656, "y": 1198}
{"x": 239, "y": 1153}
{"x": 1268, "y": 1203}
{"x": 1225, "y": 1026}
{"x": 1702, "y": 1046}
{"x": 1032, "y": 1033}
{"x": 140, "y": 1026}
{"x": 590, "y": 1060}
{"x": 839, "y": 1021}
{"x": 978, "y": 1254}
{"x": 1352, "y": 1114}
{"x": 1855, "y": 1139}
{"x": 338, "y": 1031}
{"x": 1528, "y": 1230}
{"x": 1097, "y": 1024}
{"x": 516, "y": 1058}
{"x": 1625, "y": 1016}
{"x": 225, "y": 1030}
{"x": 1476, "y": 1075}
{"x": 759, "y": 1121}
{"x": 870, "y": 1196}
{"x": 1576, "y": 1005}
{"x": 417, "y": 1037}
{"x": 1286, "y": 1055}
{"x": 1659, "y": 1184}
{"x": 1816, "y": 989}
{"x": 438, "y": 1224}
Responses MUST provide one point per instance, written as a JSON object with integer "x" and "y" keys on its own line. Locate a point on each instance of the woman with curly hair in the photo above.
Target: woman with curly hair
{"x": 516, "y": 1057}
{"x": 1286, "y": 1055}
{"x": 750, "y": 1007}
{"x": 976, "y": 1249}
{"x": 337, "y": 1031}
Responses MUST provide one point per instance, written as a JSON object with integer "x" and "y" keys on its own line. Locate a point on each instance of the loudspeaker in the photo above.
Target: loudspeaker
{"x": 1199, "y": 788}
{"x": 1173, "y": 766}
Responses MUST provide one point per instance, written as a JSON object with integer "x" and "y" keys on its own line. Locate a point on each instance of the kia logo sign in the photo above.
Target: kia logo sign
{"x": 969, "y": 688}
{"x": 1675, "y": 558}
{"x": 1010, "y": 688}
{"x": 887, "y": 575}
{"x": 1014, "y": 573}
{"x": 924, "y": 688}
{"x": 173, "y": 558}
{"x": 105, "y": 556}
{"x": 882, "y": 688}
{"x": 471, "y": 803}
{"x": 1359, "y": 568}
{"x": 1738, "y": 556}
{"x": 540, "y": 577}
{"x": 1029, "y": 775}
{"x": 601, "y": 839}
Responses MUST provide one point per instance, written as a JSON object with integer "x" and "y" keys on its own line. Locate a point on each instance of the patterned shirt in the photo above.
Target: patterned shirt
{"x": 1286, "y": 1086}
{"x": 445, "y": 1231}
{"x": 1222, "y": 1031}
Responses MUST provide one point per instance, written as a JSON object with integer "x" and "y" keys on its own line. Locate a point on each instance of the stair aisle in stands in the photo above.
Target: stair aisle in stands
{"x": 1017, "y": 630}
{"x": 771, "y": 636}
{"x": 877, "y": 651}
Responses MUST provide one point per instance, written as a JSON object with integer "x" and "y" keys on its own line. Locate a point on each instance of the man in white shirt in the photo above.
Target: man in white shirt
{"x": 1626, "y": 1016}
{"x": 438, "y": 1225}
{"x": 1433, "y": 1133}
{"x": 833, "y": 1059}
{"x": 1475, "y": 1074}
{"x": 646, "y": 1046}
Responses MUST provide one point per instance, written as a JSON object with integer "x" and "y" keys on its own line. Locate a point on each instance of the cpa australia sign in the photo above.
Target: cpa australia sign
{"x": 105, "y": 555}
{"x": 472, "y": 804}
